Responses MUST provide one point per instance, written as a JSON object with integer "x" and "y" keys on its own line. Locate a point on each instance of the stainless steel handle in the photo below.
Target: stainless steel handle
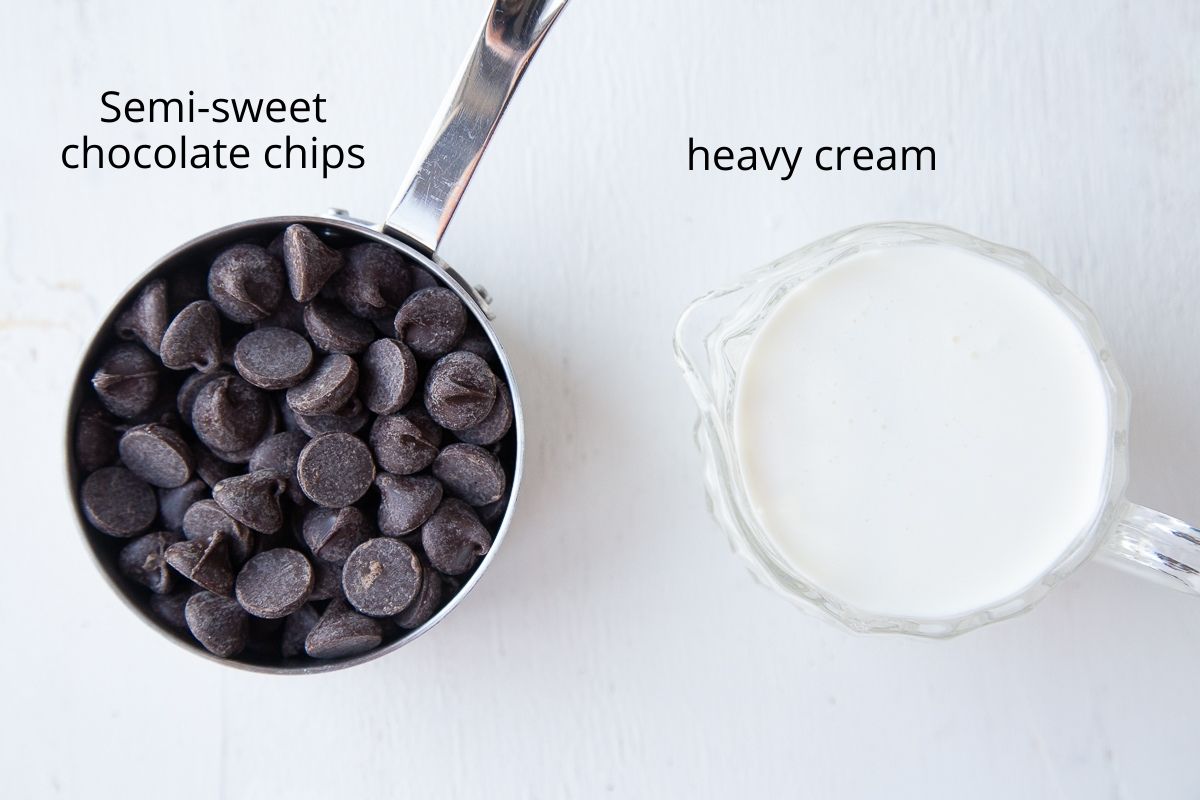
{"x": 469, "y": 115}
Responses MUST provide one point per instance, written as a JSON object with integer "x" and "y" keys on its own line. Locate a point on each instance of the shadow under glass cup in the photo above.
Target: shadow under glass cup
{"x": 844, "y": 560}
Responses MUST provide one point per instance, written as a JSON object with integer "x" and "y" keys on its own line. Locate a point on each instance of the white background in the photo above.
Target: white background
{"x": 616, "y": 647}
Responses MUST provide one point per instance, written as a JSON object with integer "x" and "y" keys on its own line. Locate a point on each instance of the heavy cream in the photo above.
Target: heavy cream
{"x": 922, "y": 432}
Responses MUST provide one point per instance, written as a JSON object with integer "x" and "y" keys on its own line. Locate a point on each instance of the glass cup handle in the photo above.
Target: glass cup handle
{"x": 1151, "y": 544}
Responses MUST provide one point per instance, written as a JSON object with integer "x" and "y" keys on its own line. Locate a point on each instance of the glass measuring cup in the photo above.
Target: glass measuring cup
{"x": 712, "y": 343}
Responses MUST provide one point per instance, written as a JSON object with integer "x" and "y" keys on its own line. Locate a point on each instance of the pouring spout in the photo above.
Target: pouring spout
{"x": 464, "y": 124}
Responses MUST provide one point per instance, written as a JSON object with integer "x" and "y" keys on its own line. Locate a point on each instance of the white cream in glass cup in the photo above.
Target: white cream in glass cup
{"x": 917, "y": 431}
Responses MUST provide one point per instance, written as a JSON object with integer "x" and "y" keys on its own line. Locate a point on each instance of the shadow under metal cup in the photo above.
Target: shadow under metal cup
{"x": 712, "y": 342}
{"x": 511, "y": 34}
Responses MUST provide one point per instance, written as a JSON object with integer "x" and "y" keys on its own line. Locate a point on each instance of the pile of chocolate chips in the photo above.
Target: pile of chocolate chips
{"x": 306, "y": 456}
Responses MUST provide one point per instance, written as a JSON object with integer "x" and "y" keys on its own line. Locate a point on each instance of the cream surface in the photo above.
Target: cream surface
{"x": 922, "y": 431}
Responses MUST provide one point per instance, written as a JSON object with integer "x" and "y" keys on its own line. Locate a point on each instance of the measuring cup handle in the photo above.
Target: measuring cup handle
{"x": 1153, "y": 545}
{"x": 469, "y": 115}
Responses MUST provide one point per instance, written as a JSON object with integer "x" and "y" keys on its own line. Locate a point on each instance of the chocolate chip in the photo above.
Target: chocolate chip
{"x": 218, "y": 623}
{"x": 95, "y": 438}
{"x": 204, "y": 519}
{"x": 273, "y": 358}
{"x": 186, "y": 397}
{"x": 374, "y": 282}
{"x": 230, "y": 415}
{"x": 328, "y": 388}
{"x": 471, "y": 473}
{"x": 211, "y": 469}
{"x": 117, "y": 502}
{"x": 405, "y": 443}
{"x": 335, "y": 469}
{"x": 423, "y": 280}
{"x": 253, "y": 499}
{"x": 143, "y": 561}
{"x": 246, "y": 282}
{"x": 146, "y": 318}
{"x": 425, "y": 604}
{"x": 460, "y": 391}
{"x": 341, "y": 632}
{"x": 310, "y": 263}
{"x": 406, "y": 502}
{"x": 431, "y": 321}
{"x": 454, "y": 539}
{"x": 274, "y": 583}
{"x": 279, "y": 453}
{"x": 476, "y": 342}
{"x": 495, "y": 424}
{"x": 193, "y": 339}
{"x": 296, "y": 629}
{"x": 389, "y": 376}
{"x": 170, "y": 607}
{"x": 205, "y": 562}
{"x": 381, "y": 577}
{"x": 334, "y": 330}
{"x": 332, "y": 533}
{"x": 174, "y": 503}
{"x": 492, "y": 513}
{"x": 327, "y": 584}
{"x": 127, "y": 380}
{"x": 348, "y": 419}
{"x": 157, "y": 455}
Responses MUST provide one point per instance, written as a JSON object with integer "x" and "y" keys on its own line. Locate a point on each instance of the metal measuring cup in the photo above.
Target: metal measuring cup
{"x": 414, "y": 226}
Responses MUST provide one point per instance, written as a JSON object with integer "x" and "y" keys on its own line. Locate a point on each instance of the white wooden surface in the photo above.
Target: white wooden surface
{"x": 616, "y": 647}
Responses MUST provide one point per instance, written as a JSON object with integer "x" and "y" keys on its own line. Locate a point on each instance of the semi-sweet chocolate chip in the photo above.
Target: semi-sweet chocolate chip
{"x": 157, "y": 455}
{"x": 279, "y": 453}
{"x": 425, "y": 604}
{"x": 253, "y": 499}
{"x": 431, "y": 321}
{"x": 470, "y": 472}
{"x": 454, "y": 539}
{"x": 342, "y": 632}
{"x": 218, "y": 623}
{"x": 348, "y": 419}
{"x": 143, "y": 561}
{"x": 328, "y": 388}
{"x": 204, "y": 519}
{"x": 389, "y": 376}
{"x": 117, "y": 502}
{"x": 146, "y": 317}
{"x": 334, "y": 330}
{"x": 460, "y": 391}
{"x": 274, "y": 583}
{"x": 332, "y": 533}
{"x": 127, "y": 380}
{"x": 205, "y": 562}
{"x": 374, "y": 282}
{"x": 193, "y": 339}
{"x": 309, "y": 262}
{"x": 273, "y": 358}
{"x": 170, "y": 607}
{"x": 296, "y": 628}
{"x": 406, "y": 501}
{"x": 495, "y": 424}
{"x": 335, "y": 469}
{"x": 381, "y": 577}
{"x": 185, "y": 398}
{"x": 95, "y": 438}
{"x": 246, "y": 283}
{"x": 230, "y": 415}
{"x": 174, "y": 503}
{"x": 405, "y": 443}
